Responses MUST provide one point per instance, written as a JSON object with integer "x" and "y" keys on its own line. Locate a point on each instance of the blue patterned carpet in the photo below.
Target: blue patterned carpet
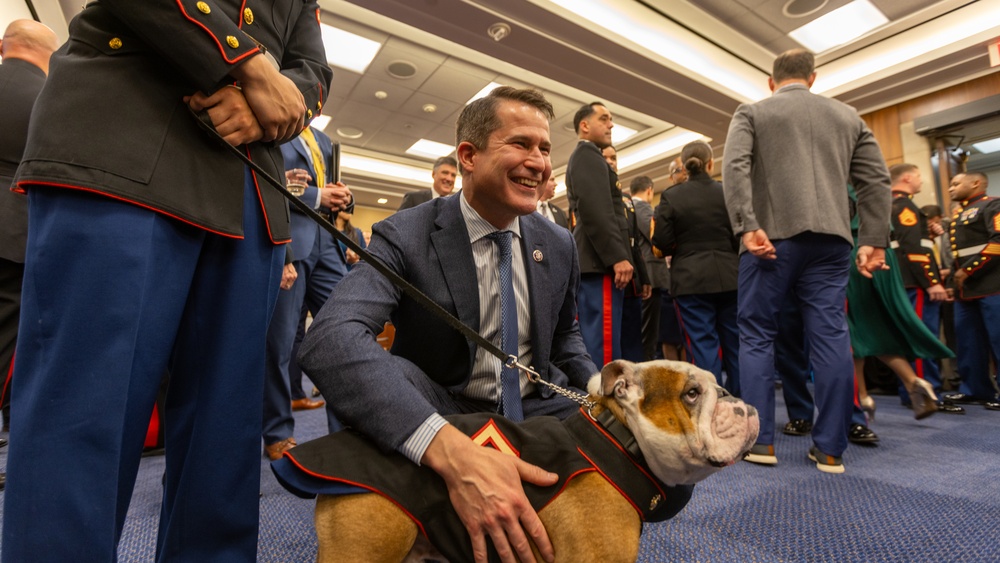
{"x": 929, "y": 491}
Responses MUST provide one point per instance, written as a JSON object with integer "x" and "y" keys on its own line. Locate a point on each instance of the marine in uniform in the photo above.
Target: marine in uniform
{"x": 975, "y": 245}
{"x": 914, "y": 247}
{"x": 152, "y": 247}
{"x": 600, "y": 228}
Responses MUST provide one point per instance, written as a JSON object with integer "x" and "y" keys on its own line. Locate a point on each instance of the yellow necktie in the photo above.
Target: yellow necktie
{"x": 317, "y": 156}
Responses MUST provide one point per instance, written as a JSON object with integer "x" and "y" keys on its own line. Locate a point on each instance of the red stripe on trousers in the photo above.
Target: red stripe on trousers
{"x": 6, "y": 382}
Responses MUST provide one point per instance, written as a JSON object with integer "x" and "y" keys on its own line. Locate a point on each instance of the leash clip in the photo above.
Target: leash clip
{"x": 536, "y": 378}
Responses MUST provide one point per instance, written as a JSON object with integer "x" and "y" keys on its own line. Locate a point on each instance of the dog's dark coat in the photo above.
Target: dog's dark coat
{"x": 567, "y": 448}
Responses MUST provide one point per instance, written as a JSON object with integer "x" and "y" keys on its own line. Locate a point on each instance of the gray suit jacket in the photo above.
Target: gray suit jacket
{"x": 788, "y": 161}
{"x": 20, "y": 82}
{"x": 373, "y": 390}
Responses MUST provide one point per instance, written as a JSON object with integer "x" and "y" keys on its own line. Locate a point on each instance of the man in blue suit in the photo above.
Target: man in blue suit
{"x": 320, "y": 263}
{"x": 445, "y": 249}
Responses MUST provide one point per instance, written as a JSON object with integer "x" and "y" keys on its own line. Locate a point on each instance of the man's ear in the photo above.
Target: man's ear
{"x": 812, "y": 78}
{"x": 466, "y": 153}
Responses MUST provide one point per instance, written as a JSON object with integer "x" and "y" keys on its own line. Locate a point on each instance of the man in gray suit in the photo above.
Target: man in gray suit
{"x": 25, "y": 50}
{"x": 444, "y": 248}
{"x": 788, "y": 161}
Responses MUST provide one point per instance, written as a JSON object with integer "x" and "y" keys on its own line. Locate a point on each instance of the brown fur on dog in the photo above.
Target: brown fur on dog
{"x": 590, "y": 521}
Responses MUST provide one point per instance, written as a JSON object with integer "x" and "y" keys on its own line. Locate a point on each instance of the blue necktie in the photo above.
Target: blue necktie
{"x": 510, "y": 386}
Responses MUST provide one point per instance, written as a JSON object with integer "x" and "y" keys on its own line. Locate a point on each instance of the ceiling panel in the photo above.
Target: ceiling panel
{"x": 575, "y": 63}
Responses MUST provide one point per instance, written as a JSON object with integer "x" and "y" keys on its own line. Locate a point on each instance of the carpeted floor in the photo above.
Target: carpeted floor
{"x": 928, "y": 492}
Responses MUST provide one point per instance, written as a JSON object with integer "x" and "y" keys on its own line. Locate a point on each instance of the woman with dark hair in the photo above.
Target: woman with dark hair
{"x": 343, "y": 224}
{"x": 692, "y": 226}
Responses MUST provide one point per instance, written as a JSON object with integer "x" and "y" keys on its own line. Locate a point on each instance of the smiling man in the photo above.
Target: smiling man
{"x": 444, "y": 174}
{"x": 503, "y": 270}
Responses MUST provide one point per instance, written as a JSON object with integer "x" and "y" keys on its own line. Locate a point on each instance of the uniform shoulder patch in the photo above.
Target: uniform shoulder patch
{"x": 907, "y": 217}
{"x": 996, "y": 222}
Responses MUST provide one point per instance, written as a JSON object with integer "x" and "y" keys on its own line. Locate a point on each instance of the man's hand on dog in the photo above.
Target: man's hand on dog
{"x": 486, "y": 491}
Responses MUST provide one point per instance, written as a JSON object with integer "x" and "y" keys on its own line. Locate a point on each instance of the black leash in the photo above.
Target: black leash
{"x": 409, "y": 289}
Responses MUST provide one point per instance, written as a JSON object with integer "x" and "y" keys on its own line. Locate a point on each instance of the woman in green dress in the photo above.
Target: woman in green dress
{"x": 883, "y": 324}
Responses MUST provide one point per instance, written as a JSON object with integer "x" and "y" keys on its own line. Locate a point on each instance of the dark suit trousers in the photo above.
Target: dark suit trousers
{"x": 318, "y": 275}
{"x": 791, "y": 361}
{"x": 710, "y": 335}
{"x": 815, "y": 268}
{"x": 115, "y": 294}
{"x": 11, "y": 276}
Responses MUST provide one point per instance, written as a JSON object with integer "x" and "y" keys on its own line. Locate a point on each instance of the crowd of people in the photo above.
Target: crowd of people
{"x": 154, "y": 258}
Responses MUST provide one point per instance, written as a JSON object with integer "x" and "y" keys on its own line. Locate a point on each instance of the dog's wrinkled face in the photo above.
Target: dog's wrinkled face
{"x": 686, "y": 425}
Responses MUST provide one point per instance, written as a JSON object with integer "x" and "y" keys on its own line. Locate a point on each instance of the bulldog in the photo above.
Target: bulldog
{"x": 653, "y": 427}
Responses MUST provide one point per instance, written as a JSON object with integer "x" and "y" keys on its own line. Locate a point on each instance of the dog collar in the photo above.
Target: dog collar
{"x": 613, "y": 450}
{"x": 620, "y": 432}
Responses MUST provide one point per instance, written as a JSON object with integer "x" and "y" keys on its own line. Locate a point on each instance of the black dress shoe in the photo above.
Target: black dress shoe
{"x": 860, "y": 434}
{"x": 960, "y": 398}
{"x": 950, "y": 408}
{"x": 3, "y": 442}
{"x": 993, "y": 405}
{"x": 3, "y": 481}
{"x": 798, "y": 427}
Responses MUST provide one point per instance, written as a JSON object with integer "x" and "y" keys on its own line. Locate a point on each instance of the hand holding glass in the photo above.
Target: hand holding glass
{"x": 297, "y": 179}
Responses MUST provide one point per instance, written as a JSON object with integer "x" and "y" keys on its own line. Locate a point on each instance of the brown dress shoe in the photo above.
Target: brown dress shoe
{"x": 275, "y": 450}
{"x": 306, "y": 404}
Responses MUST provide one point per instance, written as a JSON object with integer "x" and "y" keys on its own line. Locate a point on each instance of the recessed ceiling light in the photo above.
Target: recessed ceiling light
{"x": 347, "y": 50}
{"x": 381, "y": 95}
{"x": 803, "y": 8}
{"x": 429, "y": 108}
{"x": 401, "y": 69}
{"x": 349, "y": 132}
{"x": 382, "y": 200}
{"x": 619, "y": 133}
{"x": 430, "y": 149}
{"x": 986, "y": 147}
{"x": 320, "y": 122}
{"x": 484, "y": 92}
{"x": 839, "y": 26}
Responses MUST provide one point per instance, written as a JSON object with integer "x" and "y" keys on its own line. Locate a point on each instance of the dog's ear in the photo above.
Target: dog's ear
{"x": 617, "y": 374}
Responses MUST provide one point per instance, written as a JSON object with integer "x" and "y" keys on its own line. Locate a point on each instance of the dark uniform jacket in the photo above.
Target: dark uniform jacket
{"x": 597, "y": 213}
{"x": 20, "y": 82}
{"x": 692, "y": 225}
{"x": 413, "y": 199}
{"x": 129, "y": 64}
{"x": 911, "y": 240}
{"x": 659, "y": 274}
{"x": 975, "y": 244}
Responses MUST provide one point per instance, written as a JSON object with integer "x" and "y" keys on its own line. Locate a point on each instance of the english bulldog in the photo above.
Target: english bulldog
{"x": 655, "y": 428}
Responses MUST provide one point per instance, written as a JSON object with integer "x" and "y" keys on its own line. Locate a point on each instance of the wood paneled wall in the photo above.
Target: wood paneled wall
{"x": 885, "y": 122}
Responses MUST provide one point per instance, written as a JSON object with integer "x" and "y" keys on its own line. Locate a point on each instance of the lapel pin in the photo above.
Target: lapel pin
{"x": 537, "y": 255}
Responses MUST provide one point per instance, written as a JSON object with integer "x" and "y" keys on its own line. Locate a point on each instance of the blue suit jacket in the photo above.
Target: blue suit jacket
{"x": 304, "y": 229}
{"x": 371, "y": 389}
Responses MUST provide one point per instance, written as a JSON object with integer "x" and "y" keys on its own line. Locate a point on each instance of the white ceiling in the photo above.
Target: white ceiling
{"x": 688, "y": 69}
